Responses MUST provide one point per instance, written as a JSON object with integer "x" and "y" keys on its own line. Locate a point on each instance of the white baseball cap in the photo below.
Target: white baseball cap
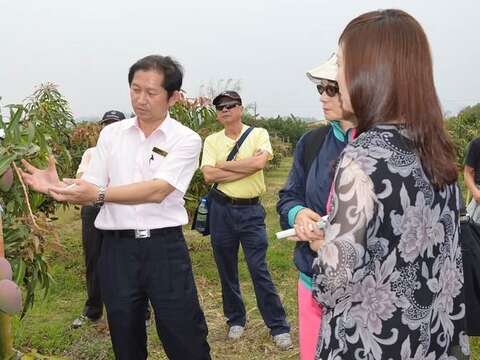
{"x": 327, "y": 70}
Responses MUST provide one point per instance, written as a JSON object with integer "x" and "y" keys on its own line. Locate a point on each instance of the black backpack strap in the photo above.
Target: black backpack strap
{"x": 312, "y": 144}
{"x": 236, "y": 148}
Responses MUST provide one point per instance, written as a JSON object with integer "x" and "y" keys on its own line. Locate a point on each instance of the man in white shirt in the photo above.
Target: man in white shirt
{"x": 140, "y": 172}
{"x": 92, "y": 239}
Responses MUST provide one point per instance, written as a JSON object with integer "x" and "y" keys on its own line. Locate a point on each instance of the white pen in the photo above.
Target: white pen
{"x": 291, "y": 232}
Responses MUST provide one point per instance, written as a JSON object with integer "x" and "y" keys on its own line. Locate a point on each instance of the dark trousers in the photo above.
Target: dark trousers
{"x": 230, "y": 226}
{"x": 133, "y": 271}
{"x": 92, "y": 244}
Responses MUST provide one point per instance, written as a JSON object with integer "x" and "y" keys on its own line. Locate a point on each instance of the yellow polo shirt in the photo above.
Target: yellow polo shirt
{"x": 217, "y": 147}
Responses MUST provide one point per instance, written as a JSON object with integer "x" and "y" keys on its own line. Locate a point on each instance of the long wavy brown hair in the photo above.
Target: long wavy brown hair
{"x": 389, "y": 77}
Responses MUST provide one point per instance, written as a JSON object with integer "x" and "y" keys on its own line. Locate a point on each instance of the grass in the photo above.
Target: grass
{"x": 46, "y": 329}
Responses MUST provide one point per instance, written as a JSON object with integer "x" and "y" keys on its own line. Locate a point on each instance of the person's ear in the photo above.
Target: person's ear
{"x": 174, "y": 98}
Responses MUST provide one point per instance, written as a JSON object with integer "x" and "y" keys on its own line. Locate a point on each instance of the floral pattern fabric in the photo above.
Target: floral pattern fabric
{"x": 390, "y": 275}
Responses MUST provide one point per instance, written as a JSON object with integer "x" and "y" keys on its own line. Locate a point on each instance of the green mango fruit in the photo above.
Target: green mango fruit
{"x": 5, "y": 270}
{"x": 10, "y": 297}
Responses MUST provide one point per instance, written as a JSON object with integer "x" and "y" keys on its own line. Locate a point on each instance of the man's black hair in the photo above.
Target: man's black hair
{"x": 171, "y": 70}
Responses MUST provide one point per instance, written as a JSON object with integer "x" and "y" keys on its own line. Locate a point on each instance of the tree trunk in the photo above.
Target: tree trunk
{"x": 6, "y": 335}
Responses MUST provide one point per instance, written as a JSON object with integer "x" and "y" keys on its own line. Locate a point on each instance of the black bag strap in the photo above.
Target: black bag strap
{"x": 236, "y": 148}
{"x": 312, "y": 145}
{"x": 239, "y": 143}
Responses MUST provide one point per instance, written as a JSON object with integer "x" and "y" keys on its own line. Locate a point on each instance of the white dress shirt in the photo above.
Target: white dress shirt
{"x": 86, "y": 158}
{"x": 124, "y": 156}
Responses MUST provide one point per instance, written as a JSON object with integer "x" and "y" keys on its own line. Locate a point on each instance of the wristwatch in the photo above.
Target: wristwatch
{"x": 100, "y": 197}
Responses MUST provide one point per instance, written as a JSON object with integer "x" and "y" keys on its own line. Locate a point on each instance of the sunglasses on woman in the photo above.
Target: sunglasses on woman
{"x": 227, "y": 106}
{"x": 331, "y": 90}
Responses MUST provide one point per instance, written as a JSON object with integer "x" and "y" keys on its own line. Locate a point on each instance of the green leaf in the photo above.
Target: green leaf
{"x": 30, "y": 132}
{"x": 16, "y": 112}
{"x": 20, "y": 271}
{"x": 5, "y": 163}
{"x": 36, "y": 199}
{"x": 32, "y": 150}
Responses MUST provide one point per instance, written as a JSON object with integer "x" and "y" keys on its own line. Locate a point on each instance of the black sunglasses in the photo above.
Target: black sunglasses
{"x": 227, "y": 106}
{"x": 331, "y": 90}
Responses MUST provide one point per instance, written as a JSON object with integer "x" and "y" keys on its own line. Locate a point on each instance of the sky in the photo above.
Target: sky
{"x": 87, "y": 47}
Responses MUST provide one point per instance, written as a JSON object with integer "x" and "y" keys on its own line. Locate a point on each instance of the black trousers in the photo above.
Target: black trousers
{"x": 92, "y": 244}
{"x": 230, "y": 227}
{"x": 133, "y": 271}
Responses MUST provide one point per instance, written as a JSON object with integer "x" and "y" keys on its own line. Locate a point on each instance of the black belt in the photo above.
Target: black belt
{"x": 223, "y": 198}
{"x": 143, "y": 233}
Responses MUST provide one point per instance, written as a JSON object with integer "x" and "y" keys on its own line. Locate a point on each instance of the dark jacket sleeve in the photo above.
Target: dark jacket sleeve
{"x": 293, "y": 193}
{"x": 472, "y": 153}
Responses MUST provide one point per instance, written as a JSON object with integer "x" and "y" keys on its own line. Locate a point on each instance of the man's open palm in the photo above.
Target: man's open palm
{"x": 41, "y": 180}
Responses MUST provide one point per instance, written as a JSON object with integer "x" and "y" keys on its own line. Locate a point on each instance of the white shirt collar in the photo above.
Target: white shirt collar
{"x": 164, "y": 127}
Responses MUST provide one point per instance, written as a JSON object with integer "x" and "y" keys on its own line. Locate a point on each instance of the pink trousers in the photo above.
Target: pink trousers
{"x": 309, "y": 322}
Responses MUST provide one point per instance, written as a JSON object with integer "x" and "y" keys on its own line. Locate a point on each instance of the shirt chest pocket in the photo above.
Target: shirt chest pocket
{"x": 156, "y": 163}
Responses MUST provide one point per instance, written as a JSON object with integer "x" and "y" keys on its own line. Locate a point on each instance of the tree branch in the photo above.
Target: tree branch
{"x": 30, "y": 212}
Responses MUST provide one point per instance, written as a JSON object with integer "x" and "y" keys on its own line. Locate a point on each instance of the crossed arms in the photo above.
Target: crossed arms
{"x": 227, "y": 171}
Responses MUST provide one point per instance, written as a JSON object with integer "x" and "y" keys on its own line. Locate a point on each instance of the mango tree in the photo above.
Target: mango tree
{"x": 199, "y": 115}
{"x": 33, "y": 130}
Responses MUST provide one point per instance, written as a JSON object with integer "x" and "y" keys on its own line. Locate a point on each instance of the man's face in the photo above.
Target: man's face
{"x": 149, "y": 99}
{"x": 228, "y": 111}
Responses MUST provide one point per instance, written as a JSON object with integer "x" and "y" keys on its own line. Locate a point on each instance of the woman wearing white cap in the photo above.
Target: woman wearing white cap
{"x": 304, "y": 198}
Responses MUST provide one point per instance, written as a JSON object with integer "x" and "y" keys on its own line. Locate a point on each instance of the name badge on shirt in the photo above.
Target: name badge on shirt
{"x": 159, "y": 151}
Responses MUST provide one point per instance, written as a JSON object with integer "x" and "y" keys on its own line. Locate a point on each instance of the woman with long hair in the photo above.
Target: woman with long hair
{"x": 389, "y": 273}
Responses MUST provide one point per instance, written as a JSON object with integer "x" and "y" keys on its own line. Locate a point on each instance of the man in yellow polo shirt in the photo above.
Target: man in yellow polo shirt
{"x": 237, "y": 217}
